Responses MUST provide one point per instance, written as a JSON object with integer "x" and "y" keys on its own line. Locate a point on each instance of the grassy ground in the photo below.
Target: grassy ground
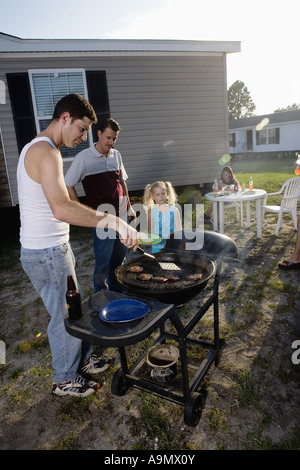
{"x": 266, "y": 174}
{"x": 253, "y": 396}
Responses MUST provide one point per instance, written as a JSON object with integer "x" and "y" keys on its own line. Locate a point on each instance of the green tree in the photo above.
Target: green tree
{"x": 288, "y": 108}
{"x": 240, "y": 103}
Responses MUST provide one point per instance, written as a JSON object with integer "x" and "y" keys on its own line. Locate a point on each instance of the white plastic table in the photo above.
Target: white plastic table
{"x": 238, "y": 196}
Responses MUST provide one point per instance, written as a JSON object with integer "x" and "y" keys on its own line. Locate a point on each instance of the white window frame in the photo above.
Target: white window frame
{"x": 267, "y": 136}
{"x": 6, "y": 169}
{"x": 32, "y": 72}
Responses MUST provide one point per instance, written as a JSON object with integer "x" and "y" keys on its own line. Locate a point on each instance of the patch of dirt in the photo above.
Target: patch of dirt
{"x": 251, "y": 398}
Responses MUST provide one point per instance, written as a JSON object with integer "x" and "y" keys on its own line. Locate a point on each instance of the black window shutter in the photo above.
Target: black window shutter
{"x": 233, "y": 140}
{"x": 249, "y": 140}
{"x": 98, "y": 95}
{"x": 22, "y": 108}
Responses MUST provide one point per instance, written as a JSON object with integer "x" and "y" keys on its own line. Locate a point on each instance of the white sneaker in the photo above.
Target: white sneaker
{"x": 78, "y": 387}
{"x": 95, "y": 365}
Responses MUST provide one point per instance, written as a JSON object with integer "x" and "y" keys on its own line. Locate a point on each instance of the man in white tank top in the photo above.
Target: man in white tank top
{"x": 46, "y": 256}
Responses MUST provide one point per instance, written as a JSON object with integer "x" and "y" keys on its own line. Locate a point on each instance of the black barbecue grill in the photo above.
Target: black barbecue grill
{"x": 162, "y": 300}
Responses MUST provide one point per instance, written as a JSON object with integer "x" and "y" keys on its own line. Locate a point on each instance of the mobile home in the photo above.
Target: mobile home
{"x": 169, "y": 97}
{"x": 275, "y": 134}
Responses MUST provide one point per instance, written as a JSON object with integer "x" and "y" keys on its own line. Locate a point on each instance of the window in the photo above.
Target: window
{"x": 47, "y": 88}
{"x": 268, "y": 136}
{"x": 262, "y": 137}
{"x": 274, "y": 136}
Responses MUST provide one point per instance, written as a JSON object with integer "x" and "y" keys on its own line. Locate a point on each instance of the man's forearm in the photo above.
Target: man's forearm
{"x": 75, "y": 213}
{"x": 72, "y": 193}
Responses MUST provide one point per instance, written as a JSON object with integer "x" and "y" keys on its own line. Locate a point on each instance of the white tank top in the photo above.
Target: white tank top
{"x": 39, "y": 228}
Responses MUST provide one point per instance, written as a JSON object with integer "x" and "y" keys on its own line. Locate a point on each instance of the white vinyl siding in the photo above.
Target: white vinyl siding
{"x": 172, "y": 115}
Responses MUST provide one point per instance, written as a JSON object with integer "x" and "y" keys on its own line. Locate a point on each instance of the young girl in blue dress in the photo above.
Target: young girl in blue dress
{"x": 163, "y": 217}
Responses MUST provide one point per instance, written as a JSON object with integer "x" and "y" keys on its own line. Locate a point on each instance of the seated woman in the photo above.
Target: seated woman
{"x": 227, "y": 179}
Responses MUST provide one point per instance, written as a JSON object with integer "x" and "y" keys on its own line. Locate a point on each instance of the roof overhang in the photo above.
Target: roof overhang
{"x": 283, "y": 117}
{"x": 12, "y": 46}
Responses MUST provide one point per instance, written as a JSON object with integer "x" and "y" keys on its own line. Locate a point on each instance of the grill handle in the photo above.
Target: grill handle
{"x": 147, "y": 255}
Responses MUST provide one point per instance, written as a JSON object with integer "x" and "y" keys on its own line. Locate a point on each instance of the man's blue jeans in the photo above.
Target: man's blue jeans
{"x": 48, "y": 270}
{"x": 109, "y": 254}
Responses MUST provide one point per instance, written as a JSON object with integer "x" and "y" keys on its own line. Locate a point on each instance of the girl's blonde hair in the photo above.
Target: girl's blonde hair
{"x": 171, "y": 194}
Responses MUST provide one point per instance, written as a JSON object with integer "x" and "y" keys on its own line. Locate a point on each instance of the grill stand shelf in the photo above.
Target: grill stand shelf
{"x": 90, "y": 328}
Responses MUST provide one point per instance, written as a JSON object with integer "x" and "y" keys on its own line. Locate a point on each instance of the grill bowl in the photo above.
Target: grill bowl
{"x": 177, "y": 292}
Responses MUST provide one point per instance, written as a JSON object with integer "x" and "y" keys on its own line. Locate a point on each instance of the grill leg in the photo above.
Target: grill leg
{"x": 216, "y": 320}
{"x": 183, "y": 357}
{"x": 184, "y": 369}
{"x": 123, "y": 360}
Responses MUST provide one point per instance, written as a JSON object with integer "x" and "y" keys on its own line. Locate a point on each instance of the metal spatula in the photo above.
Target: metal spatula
{"x": 162, "y": 265}
{"x": 150, "y": 257}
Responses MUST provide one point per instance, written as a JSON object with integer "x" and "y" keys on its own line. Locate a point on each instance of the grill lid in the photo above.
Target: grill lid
{"x": 216, "y": 246}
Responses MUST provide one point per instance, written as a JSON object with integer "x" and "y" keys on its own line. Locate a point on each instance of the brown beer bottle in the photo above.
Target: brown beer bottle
{"x": 73, "y": 300}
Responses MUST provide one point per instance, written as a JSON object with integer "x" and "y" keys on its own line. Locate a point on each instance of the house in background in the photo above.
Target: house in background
{"x": 275, "y": 134}
{"x": 170, "y": 98}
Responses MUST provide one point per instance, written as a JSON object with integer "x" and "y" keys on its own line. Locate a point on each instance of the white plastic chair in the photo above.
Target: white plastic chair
{"x": 291, "y": 194}
{"x": 238, "y": 209}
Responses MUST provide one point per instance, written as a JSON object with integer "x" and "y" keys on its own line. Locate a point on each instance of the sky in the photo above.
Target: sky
{"x": 269, "y": 32}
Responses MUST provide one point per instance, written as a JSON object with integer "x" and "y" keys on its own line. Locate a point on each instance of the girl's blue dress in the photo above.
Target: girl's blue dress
{"x": 163, "y": 225}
